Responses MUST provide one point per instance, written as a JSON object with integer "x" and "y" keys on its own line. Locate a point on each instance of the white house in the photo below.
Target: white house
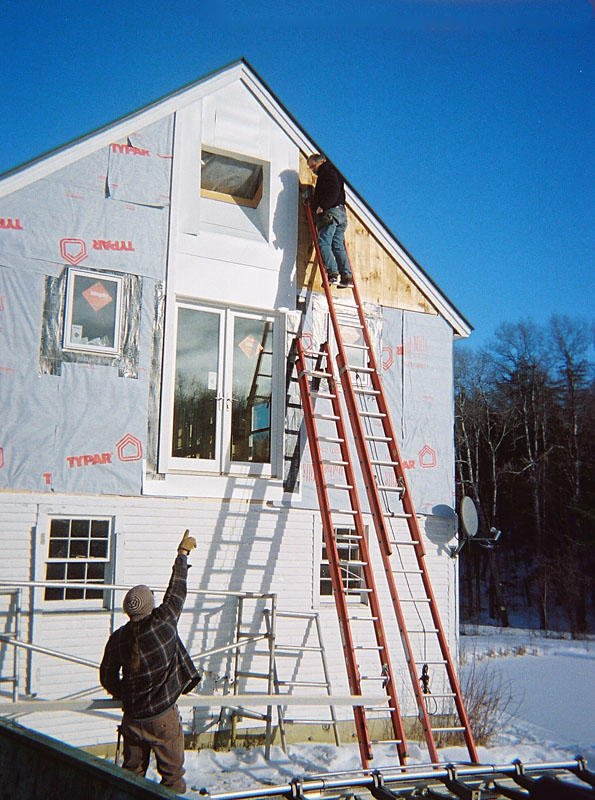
{"x": 152, "y": 274}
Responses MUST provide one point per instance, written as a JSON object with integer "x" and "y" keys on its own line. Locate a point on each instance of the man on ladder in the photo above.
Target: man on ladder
{"x": 328, "y": 203}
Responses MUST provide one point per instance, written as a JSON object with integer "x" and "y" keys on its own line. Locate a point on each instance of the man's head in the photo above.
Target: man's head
{"x": 138, "y": 602}
{"x": 314, "y": 162}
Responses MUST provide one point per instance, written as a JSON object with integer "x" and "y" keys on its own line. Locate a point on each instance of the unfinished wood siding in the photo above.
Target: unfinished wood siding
{"x": 379, "y": 277}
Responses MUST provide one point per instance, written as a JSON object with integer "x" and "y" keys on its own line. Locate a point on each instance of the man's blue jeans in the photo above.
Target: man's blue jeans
{"x": 331, "y": 238}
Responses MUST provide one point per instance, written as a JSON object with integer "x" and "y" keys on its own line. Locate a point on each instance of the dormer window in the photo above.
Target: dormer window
{"x": 233, "y": 179}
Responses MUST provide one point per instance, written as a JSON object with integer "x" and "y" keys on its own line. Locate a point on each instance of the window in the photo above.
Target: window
{"x": 78, "y": 552}
{"x": 92, "y": 319}
{"x": 225, "y": 396}
{"x": 351, "y": 567}
{"x": 231, "y": 179}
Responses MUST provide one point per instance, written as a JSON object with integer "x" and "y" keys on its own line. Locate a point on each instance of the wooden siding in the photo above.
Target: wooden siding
{"x": 379, "y": 277}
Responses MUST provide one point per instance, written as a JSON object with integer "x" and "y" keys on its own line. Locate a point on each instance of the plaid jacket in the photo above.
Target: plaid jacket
{"x": 166, "y": 670}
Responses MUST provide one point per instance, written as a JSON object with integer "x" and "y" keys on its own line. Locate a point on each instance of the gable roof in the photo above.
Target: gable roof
{"x": 49, "y": 162}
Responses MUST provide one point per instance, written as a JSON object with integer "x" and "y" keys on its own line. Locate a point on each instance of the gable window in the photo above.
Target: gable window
{"x": 233, "y": 179}
{"x": 92, "y": 320}
{"x": 351, "y": 566}
{"x": 78, "y": 552}
{"x": 226, "y": 378}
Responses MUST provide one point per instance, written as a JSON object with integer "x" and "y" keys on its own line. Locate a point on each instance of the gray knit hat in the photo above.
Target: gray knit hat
{"x": 138, "y": 602}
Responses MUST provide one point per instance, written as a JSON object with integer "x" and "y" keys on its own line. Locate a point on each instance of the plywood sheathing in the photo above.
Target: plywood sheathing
{"x": 379, "y": 277}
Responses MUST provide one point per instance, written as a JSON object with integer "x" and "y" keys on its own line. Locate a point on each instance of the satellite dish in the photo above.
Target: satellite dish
{"x": 469, "y": 520}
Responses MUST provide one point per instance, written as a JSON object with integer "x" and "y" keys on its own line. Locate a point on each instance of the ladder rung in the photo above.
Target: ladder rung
{"x": 379, "y": 463}
{"x": 294, "y": 648}
{"x": 353, "y": 563}
{"x": 351, "y": 325}
{"x": 364, "y": 390}
{"x": 445, "y": 694}
{"x": 367, "y": 647}
{"x": 398, "y": 515}
{"x": 378, "y": 438}
{"x": 363, "y": 619}
{"x": 343, "y": 511}
{"x": 422, "y": 630}
{"x": 318, "y": 415}
{"x": 355, "y": 368}
{"x": 334, "y": 462}
{"x": 353, "y": 590}
{"x": 372, "y": 414}
{"x": 407, "y": 572}
{"x": 333, "y": 439}
{"x": 377, "y": 708}
{"x": 356, "y": 346}
{"x": 435, "y": 663}
{"x": 253, "y": 675}
{"x": 321, "y": 395}
{"x": 384, "y": 488}
{"x": 339, "y": 486}
{"x": 303, "y": 683}
{"x": 372, "y": 677}
{"x": 457, "y": 728}
{"x": 408, "y": 543}
{"x": 314, "y": 373}
{"x": 416, "y": 600}
{"x": 297, "y": 614}
{"x": 296, "y": 721}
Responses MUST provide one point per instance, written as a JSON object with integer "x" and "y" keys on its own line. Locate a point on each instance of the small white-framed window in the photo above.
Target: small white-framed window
{"x": 351, "y": 566}
{"x": 231, "y": 178}
{"x": 92, "y": 322}
{"x": 78, "y": 552}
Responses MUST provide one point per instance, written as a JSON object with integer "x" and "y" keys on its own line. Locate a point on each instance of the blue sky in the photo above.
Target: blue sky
{"x": 467, "y": 126}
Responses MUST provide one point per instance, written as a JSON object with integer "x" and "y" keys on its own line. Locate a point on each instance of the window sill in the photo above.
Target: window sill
{"x": 222, "y": 487}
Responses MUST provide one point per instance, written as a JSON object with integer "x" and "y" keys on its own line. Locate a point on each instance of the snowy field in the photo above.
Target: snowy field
{"x": 551, "y": 682}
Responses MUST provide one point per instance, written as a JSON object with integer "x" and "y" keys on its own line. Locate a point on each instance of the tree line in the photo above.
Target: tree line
{"x": 524, "y": 416}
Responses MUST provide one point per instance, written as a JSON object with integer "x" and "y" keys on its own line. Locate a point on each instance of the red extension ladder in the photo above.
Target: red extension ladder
{"x": 436, "y": 689}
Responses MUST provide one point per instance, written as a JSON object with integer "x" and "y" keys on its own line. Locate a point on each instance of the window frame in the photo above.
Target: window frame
{"x": 225, "y": 197}
{"x": 67, "y": 343}
{"x": 75, "y": 603}
{"x": 222, "y": 464}
{"x": 360, "y": 597}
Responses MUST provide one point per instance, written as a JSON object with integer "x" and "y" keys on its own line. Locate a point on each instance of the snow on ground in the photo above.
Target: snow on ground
{"x": 551, "y": 682}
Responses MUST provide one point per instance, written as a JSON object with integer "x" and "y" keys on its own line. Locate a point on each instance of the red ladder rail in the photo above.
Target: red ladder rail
{"x": 378, "y": 516}
{"x": 324, "y": 370}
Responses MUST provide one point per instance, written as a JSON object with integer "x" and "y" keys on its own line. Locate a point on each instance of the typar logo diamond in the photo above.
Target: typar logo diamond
{"x": 73, "y": 250}
{"x": 97, "y": 296}
{"x": 250, "y": 346}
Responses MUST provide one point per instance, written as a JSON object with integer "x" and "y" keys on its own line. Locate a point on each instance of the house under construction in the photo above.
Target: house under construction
{"x": 172, "y": 357}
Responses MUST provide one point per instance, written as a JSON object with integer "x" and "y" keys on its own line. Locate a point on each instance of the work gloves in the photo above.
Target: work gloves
{"x": 187, "y": 544}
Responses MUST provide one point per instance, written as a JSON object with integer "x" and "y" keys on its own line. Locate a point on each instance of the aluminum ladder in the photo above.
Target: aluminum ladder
{"x": 389, "y": 500}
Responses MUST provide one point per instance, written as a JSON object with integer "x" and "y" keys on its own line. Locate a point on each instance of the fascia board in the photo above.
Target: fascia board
{"x": 45, "y": 165}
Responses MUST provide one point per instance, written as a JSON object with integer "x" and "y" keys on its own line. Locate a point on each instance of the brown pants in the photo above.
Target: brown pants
{"x": 164, "y": 736}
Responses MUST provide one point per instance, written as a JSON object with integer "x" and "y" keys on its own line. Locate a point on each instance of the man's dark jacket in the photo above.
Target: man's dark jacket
{"x": 329, "y": 191}
{"x": 166, "y": 670}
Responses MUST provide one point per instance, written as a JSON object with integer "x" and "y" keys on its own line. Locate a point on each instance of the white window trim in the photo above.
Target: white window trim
{"x": 171, "y": 465}
{"x": 67, "y": 344}
{"x": 41, "y": 560}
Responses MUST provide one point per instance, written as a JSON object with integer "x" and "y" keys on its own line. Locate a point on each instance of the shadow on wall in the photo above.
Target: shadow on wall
{"x": 441, "y": 527}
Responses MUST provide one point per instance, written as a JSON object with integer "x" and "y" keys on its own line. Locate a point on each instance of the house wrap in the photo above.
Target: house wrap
{"x": 153, "y": 277}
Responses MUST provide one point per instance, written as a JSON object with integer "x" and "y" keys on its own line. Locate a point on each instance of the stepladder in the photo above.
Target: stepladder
{"x": 438, "y": 697}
